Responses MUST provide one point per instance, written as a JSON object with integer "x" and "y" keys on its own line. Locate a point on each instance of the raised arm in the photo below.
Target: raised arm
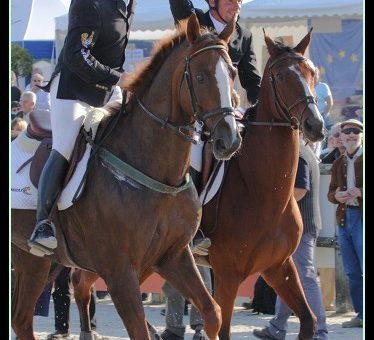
{"x": 182, "y": 9}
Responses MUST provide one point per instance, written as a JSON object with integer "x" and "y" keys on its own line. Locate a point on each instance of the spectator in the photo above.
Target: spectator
{"x": 346, "y": 190}
{"x": 27, "y": 102}
{"x": 34, "y": 70}
{"x": 175, "y": 304}
{"x": 306, "y": 193}
{"x": 360, "y": 114}
{"x": 15, "y": 91}
{"x": 337, "y": 143}
{"x": 43, "y": 100}
{"x": 17, "y": 126}
{"x": 15, "y": 107}
{"x": 324, "y": 99}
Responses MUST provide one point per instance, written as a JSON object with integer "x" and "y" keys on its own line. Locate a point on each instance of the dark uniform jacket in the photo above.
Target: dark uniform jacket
{"x": 339, "y": 179}
{"x": 240, "y": 48}
{"x": 91, "y": 60}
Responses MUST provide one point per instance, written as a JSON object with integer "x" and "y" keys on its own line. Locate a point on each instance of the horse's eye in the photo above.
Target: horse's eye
{"x": 200, "y": 78}
{"x": 279, "y": 76}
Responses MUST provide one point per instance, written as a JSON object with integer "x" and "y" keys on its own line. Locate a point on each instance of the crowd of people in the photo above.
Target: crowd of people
{"x": 69, "y": 95}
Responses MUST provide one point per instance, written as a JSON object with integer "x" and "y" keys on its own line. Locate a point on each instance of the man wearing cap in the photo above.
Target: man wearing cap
{"x": 346, "y": 191}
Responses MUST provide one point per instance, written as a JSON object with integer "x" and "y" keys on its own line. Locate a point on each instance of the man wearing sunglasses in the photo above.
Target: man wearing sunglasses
{"x": 346, "y": 191}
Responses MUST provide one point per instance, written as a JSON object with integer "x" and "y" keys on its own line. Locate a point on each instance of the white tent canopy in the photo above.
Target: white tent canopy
{"x": 300, "y": 8}
{"x": 34, "y": 19}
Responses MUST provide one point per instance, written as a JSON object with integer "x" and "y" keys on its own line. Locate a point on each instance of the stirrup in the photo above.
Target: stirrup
{"x": 201, "y": 248}
{"x": 37, "y": 248}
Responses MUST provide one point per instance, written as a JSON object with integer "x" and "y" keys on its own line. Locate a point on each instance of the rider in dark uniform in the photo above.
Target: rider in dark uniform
{"x": 241, "y": 44}
{"x": 88, "y": 68}
{"x": 242, "y": 56}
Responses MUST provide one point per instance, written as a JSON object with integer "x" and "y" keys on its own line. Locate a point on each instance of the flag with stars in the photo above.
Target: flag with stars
{"x": 340, "y": 59}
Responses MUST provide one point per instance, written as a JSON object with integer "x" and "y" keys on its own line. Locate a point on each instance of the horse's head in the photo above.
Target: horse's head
{"x": 291, "y": 83}
{"x": 206, "y": 86}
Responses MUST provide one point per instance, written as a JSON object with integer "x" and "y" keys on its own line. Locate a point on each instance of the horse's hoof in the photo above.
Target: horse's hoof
{"x": 168, "y": 335}
{"x": 199, "y": 336}
{"x": 93, "y": 335}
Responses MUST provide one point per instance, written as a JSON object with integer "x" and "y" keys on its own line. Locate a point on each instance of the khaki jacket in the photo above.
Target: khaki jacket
{"x": 339, "y": 179}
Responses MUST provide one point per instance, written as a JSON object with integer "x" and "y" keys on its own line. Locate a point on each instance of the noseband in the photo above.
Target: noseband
{"x": 280, "y": 105}
{"x": 183, "y": 130}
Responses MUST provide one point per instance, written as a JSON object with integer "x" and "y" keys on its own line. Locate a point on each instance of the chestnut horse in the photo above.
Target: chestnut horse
{"x": 120, "y": 228}
{"x": 254, "y": 222}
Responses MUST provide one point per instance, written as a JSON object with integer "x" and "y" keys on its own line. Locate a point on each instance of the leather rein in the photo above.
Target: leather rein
{"x": 281, "y": 107}
{"x": 184, "y": 130}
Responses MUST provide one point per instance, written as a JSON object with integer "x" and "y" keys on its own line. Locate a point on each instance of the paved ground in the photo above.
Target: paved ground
{"x": 110, "y": 325}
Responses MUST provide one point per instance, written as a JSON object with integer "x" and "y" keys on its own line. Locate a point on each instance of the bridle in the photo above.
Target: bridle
{"x": 184, "y": 130}
{"x": 281, "y": 107}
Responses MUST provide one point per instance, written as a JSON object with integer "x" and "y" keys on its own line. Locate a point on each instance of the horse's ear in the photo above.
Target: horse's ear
{"x": 193, "y": 28}
{"x": 270, "y": 44}
{"x": 229, "y": 29}
{"x": 304, "y": 43}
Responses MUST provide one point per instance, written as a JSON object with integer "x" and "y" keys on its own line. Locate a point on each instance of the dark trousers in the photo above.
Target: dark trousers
{"x": 61, "y": 298}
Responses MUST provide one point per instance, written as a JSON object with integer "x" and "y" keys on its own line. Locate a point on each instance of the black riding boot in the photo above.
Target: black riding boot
{"x": 50, "y": 183}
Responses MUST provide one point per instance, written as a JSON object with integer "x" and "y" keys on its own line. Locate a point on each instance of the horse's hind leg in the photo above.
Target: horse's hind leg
{"x": 285, "y": 281}
{"x": 82, "y": 282}
{"x": 30, "y": 277}
{"x": 181, "y": 272}
{"x": 123, "y": 284}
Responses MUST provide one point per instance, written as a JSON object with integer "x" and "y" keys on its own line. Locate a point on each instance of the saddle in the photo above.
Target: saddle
{"x": 39, "y": 128}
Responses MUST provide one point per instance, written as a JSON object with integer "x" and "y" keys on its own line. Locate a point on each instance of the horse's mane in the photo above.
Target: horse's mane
{"x": 140, "y": 79}
{"x": 281, "y": 48}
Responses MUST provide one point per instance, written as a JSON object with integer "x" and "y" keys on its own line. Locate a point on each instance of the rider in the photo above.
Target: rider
{"x": 240, "y": 51}
{"x": 88, "y": 68}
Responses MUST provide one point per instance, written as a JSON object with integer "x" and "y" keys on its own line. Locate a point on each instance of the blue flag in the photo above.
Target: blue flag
{"x": 340, "y": 59}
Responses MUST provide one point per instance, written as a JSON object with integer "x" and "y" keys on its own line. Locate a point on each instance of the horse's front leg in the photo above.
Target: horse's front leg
{"x": 30, "y": 277}
{"x": 82, "y": 282}
{"x": 285, "y": 281}
{"x": 180, "y": 270}
{"x": 123, "y": 284}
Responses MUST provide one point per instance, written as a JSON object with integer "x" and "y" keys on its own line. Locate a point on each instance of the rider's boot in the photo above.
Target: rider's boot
{"x": 43, "y": 238}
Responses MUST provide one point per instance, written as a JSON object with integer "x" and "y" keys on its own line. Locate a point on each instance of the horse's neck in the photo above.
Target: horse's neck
{"x": 157, "y": 151}
{"x": 269, "y": 155}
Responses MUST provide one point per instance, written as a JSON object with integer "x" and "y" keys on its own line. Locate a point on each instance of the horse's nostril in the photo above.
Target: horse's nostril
{"x": 220, "y": 145}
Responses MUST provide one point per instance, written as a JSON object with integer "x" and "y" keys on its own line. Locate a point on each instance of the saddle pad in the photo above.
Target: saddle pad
{"x": 205, "y": 197}
{"x": 23, "y": 193}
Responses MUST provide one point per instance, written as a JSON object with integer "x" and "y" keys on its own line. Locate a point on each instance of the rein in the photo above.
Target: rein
{"x": 280, "y": 106}
{"x": 184, "y": 130}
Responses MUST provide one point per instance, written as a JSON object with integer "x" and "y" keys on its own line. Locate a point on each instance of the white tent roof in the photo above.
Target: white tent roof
{"x": 34, "y": 19}
{"x": 301, "y": 8}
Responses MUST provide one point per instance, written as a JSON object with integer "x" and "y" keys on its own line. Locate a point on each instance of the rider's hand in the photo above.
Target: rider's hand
{"x": 122, "y": 80}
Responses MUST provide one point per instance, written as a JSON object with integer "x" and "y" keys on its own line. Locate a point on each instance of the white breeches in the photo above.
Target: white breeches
{"x": 67, "y": 117}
